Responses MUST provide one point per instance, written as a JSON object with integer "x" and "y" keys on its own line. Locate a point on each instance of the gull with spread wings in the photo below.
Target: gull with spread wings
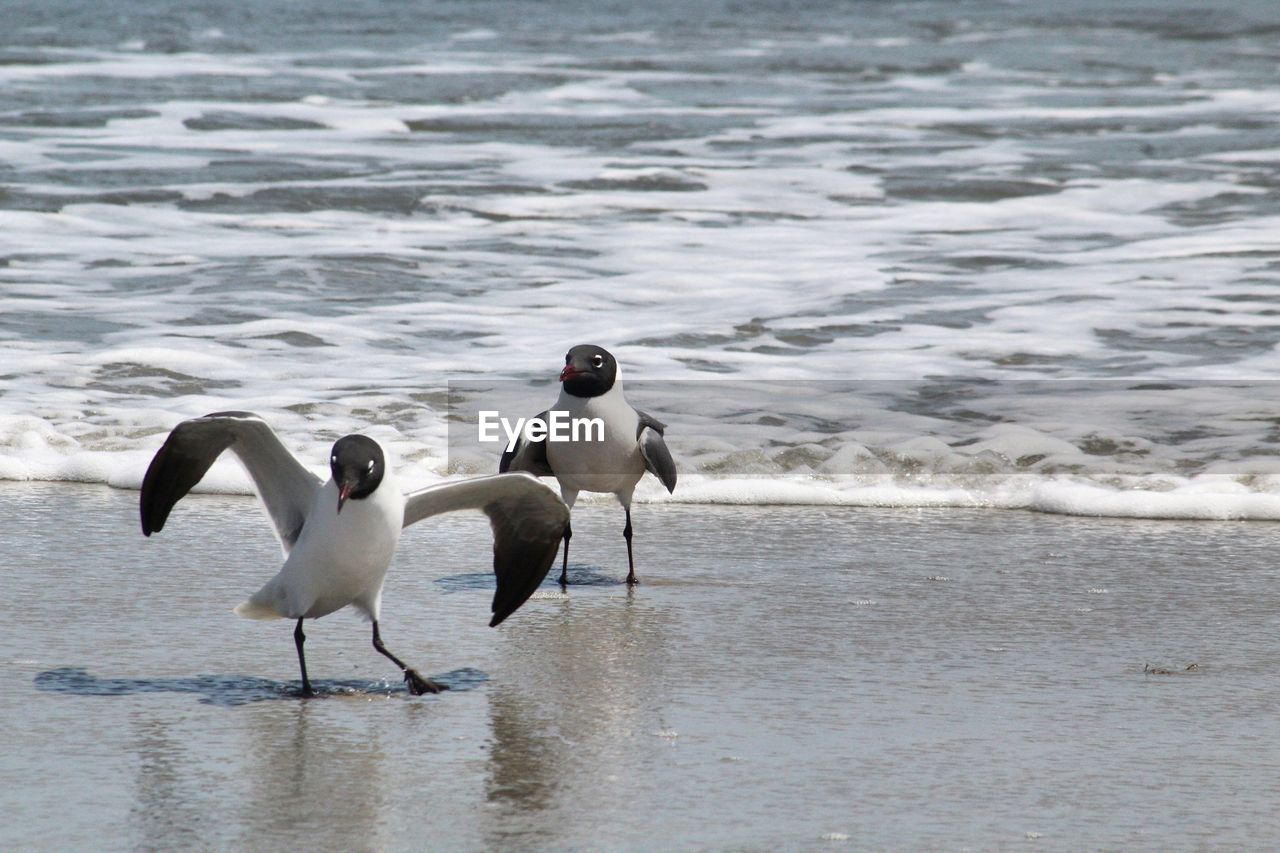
{"x": 339, "y": 536}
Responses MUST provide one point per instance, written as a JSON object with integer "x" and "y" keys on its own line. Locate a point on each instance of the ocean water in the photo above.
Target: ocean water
{"x": 1007, "y": 254}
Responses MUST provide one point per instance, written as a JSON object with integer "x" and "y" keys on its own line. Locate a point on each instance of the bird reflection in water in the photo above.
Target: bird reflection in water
{"x": 304, "y": 772}
{"x": 579, "y": 698}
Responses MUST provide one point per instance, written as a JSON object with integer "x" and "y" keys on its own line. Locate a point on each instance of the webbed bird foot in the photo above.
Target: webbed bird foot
{"x": 419, "y": 685}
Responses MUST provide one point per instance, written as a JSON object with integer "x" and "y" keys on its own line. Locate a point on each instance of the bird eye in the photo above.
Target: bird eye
{"x": 371, "y": 465}
{"x": 333, "y": 460}
{"x": 597, "y": 361}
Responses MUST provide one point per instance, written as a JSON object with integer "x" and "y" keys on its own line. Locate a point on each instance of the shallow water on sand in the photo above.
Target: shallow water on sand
{"x": 784, "y": 677}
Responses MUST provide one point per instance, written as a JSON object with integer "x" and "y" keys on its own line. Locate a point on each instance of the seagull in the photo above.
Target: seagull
{"x": 591, "y": 387}
{"x": 339, "y": 536}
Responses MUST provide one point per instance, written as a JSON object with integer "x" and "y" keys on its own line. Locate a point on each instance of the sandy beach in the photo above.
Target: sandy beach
{"x": 784, "y": 677}
{"x": 962, "y": 318}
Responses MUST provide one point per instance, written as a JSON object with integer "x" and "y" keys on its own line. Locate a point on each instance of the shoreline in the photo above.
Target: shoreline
{"x": 1066, "y": 499}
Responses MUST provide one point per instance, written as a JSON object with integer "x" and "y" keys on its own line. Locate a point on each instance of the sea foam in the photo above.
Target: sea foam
{"x": 340, "y": 236}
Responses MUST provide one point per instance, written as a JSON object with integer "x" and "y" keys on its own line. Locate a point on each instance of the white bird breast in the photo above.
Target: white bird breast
{"x": 342, "y": 558}
{"x": 612, "y": 465}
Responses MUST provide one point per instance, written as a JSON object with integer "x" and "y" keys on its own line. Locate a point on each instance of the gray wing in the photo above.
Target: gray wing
{"x": 657, "y": 458}
{"x": 528, "y": 456}
{"x": 528, "y": 520}
{"x": 285, "y": 486}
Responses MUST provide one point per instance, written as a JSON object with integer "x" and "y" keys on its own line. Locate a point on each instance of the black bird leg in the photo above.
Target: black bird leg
{"x": 632, "y": 580}
{"x": 417, "y": 684}
{"x": 298, "y": 639}
{"x": 564, "y": 568}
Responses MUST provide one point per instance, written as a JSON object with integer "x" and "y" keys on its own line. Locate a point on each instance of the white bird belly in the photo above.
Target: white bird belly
{"x": 596, "y": 467}
{"x": 613, "y": 464}
{"x": 340, "y": 559}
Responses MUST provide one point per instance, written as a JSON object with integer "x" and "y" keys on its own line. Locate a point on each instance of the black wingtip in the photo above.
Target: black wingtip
{"x": 151, "y": 497}
{"x": 509, "y": 600}
{"x": 151, "y": 524}
{"x": 180, "y": 463}
{"x": 500, "y": 615}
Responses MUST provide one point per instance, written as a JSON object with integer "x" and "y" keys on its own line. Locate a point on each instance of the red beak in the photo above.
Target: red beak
{"x": 569, "y": 372}
{"x": 344, "y": 492}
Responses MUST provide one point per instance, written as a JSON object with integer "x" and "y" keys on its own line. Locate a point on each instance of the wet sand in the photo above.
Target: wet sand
{"x": 784, "y": 677}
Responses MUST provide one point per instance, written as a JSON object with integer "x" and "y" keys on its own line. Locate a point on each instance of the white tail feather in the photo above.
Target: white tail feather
{"x": 254, "y": 608}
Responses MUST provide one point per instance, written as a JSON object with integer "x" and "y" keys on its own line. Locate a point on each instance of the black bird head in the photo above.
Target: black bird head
{"x": 357, "y": 465}
{"x": 589, "y": 371}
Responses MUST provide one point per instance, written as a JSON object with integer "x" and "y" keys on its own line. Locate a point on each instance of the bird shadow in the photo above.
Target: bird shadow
{"x": 233, "y": 690}
{"x": 578, "y": 576}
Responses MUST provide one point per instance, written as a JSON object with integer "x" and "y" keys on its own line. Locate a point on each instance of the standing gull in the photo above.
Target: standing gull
{"x": 339, "y": 536}
{"x": 591, "y": 387}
